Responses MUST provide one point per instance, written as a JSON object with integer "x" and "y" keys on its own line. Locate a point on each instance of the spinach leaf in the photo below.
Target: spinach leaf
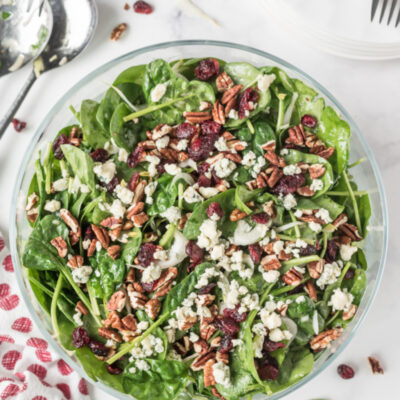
{"x": 243, "y": 196}
{"x": 325, "y": 202}
{"x": 157, "y": 71}
{"x": 39, "y": 253}
{"x": 335, "y": 132}
{"x": 81, "y": 164}
{"x": 164, "y": 380}
{"x": 132, "y": 247}
{"x": 295, "y": 156}
{"x": 93, "y": 133}
{"x": 164, "y": 196}
{"x": 227, "y": 202}
{"x": 133, "y": 74}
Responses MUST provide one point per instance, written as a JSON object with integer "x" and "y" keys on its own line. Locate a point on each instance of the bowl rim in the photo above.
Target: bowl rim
{"x": 171, "y": 44}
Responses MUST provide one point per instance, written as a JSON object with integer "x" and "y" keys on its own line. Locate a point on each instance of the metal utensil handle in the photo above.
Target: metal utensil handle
{"x": 16, "y": 104}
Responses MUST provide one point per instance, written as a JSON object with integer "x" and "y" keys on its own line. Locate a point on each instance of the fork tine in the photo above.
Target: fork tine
{"x": 393, "y": 6}
{"x": 383, "y": 10}
{"x": 374, "y": 6}
{"x": 398, "y": 19}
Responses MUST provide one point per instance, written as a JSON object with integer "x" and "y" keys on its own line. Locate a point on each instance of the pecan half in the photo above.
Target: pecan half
{"x": 292, "y": 277}
{"x": 200, "y": 347}
{"x": 135, "y": 209}
{"x": 375, "y": 365}
{"x": 81, "y": 308}
{"x": 61, "y": 246}
{"x": 111, "y": 222}
{"x": 137, "y": 299}
{"x": 230, "y": 105}
{"x": 223, "y": 82}
{"x": 113, "y": 251}
{"x": 113, "y": 320}
{"x": 340, "y": 220}
{"x": 117, "y": 301}
{"x": 326, "y": 153}
{"x": 118, "y": 31}
{"x": 270, "y": 262}
{"x": 161, "y": 130}
{"x": 109, "y": 334}
{"x": 324, "y": 339}
{"x": 218, "y": 113}
{"x": 305, "y": 191}
{"x": 269, "y": 146}
{"x": 197, "y": 117}
{"x": 140, "y": 219}
{"x": 32, "y": 201}
{"x": 237, "y": 214}
{"x": 75, "y": 261}
{"x": 101, "y": 235}
{"x": 349, "y": 314}
{"x": 351, "y": 231}
{"x": 92, "y": 248}
{"x": 209, "y": 379}
{"x": 269, "y": 208}
{"x": 165, "y": 281}
{"x": 152, "y": 308}
{"x": 139, "y": 192}
{"x": 206, "y": 330}
{"x": 274, "y": 178}
{"x": 114, "y": 233}
{"x": 315, "y": 268}
{"x": 70, "y": 221}
{"x": 274, "y": 159}
{"x": 316, "y": 170}
{"x": 296, "y": 135}
{"x": 310, "y": 289}
{"x": 200, "y": 361}
{"x": 129, "y": 322}
{"x": 231, "y": 94}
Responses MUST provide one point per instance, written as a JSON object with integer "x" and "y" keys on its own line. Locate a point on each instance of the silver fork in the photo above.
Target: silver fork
{"x": 374, "y": 7}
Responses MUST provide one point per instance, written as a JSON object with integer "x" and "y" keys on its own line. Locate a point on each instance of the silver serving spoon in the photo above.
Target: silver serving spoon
{"x": 74, "y": 25}
{"x": 25, "y": 28}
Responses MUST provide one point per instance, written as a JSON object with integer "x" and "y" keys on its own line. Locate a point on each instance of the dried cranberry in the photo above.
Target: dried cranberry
{"x": 149, "y": 286}
{"x": 146, "y": 254}
{"x": 80, "y": 337}
{"x": 203, "y": 168}
{"x": 135, "y": 157}
{"x": 331, "y": 251}
{"x": 161, "y": 165}
{"x": 99, "y": 155}
{"x": 195, "y": 252}
{"x": 247, "y": 97}
{"x": 191, "y": 267}
{"x": 318, "y": 245}
{"x": 234, "y": 314}
{"x": 211, "y": 128}
{"x": 19, "y": 126}
{"x": 216, "y": 180}
{"x": 349, "y": 274}
{"x": 269, "y": 346}
{"x": 345, "y": 371}
{"x": 226, "y": 345}
{"x": 62, "y": 139}
{"x": 185, "y": 131}
{"x": 201, "y": 147}
{"x": 309, "y": 121}
{"x": 208, "y": 288}
{"x": 206, "y": 69}
{"x": 260, "y": 218}
{"x": 89, "y": 234}
{"x": 269, "y": 369}
{"x": 228, "y": 326}
{"x": 98, "y": 348}
{"x": 215, "y": 208}
{"x": 255, "y": 251}
{"x": 203, "y": 181}
{"x": 308, "y": 250}
{"x": 288, "y": 184}
{"x": 141, "y": 7}
{"x": 110, "y": 186}
{"x": 113, "y": 369}
{"x": 133, "y": 181}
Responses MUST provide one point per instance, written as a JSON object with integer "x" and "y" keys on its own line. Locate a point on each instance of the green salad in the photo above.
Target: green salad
{"x": 197, "y": 232}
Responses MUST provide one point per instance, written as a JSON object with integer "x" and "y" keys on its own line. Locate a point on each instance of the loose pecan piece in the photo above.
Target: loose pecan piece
{"x": 81, "y": 308}
{"x": 230, "y": 105}
{"x": 152, "y": 308}
{"x": 110, "y": 334}
{"x": 207, "y": 330}
{"x": 61, "y": 246}
{"x": 197, "y": 117}
{"x": 326, "y": 153}
{"x": 161, "y": 130}
{"x": 375, "y": 365}
{"x": 113, "y": 251}
{"x": 101, "y": 235}
{"x": 118, "y": 31}
{"x": 292, "y": 277}
{"x": 139, "y": 192}
{"x": 218, "y": 113}
{"x": 324, "y": 339}
{"x": 129, "y": 322}
{"x": 165, "y": 281}
{"x": 237, "y": 214}
{"x": 117, "y": 301}
{"x": 296, "y": 135}
{"x": 270, "y": 262}
{"x": 224, "y": 357}
{"x": 315, "y": 268}
{"x": 113, "y": 320}
{"x": 115, "y": 233}
{"x": 223, "y": 82}
{"x": 75, "y": 261}
{"x": 32, "y": 201}
{"x": 269, "y": 146}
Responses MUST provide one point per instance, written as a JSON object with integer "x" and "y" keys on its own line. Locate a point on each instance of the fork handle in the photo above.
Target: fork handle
{"x": 17, "y": 102}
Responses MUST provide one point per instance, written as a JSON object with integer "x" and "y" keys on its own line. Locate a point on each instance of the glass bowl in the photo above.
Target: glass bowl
{"x": 366, "y": 175}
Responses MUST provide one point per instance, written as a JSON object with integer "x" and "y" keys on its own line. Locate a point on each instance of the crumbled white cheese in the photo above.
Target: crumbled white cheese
{"x": 224, "y": 167}
{"x": 148, "y": 346}
{"x": 158, "y": 92}
{"x": 60, "y": 185}
{"x": 193, "y": 337}
{"x": 151, "y": 273}
{"x": 291, "y": 170}
{"x": 217, "y": 252}
{"x": 271, "y": 276}
{"x": 233, "y": 114}
{"x": 160, "y": 255}
{"x": 284, "y": 152}
{"x": 316, "y": 185}
{"x": 82, "y": 274}
{"x": 249, "y": 159}
{"x": 257, "y": 167}
{"x": 123, "y": 155}
{"x": 221, "y": 373}
{"x": 52, "y": 206}
{"x": 124, "y": 194}
{"x": 182, "y": 145}
{"x": 289, "y": 201}
{"x": 208, "y": 192}
{"x": 142, "y": 365}
{"x": 329, "y": 275}
{"x": 152, "y": 167}
{"x": 117, "y": 209}
{"x": 142, "y": 326}
{"x": 106, "y": 171}
{"x": 78, "y": 318}
{"x": 341, "y": 300}
{"x": 172, "y": 169}
{"x": 270, "y": 320}
{"x": 347, "y": 251}
{"x": 264, "y": 82}
{"x": 162, "y": 143}
{"x": 111, "y": 147}
{"x": 172, "y": 214}
{"x": 209, "y": 234}
{"x": 298, "y": 213}
{"x": 314, "y": 226}
{"x": 221, "y": 145}
{"x": 323, "y": 214}
{"x": 190, "y": 195}
{"x": 149, "y": 190}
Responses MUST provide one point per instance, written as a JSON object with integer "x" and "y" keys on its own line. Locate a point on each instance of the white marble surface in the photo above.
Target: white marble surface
{"x": 369, "y": 90}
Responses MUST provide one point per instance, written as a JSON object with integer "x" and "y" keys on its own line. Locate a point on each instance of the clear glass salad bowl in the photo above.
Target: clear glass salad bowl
{"x": 92, "y": 86}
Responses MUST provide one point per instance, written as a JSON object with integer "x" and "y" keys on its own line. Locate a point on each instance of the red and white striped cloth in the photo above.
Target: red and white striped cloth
{"x": 29, "y": 369}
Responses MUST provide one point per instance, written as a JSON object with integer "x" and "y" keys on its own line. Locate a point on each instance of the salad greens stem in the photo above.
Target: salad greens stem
{"x": 281, "y": 111}
{"x": 344, "y": 271}
{"x": 154, "y": 107}
{"x": 266, "y": 293}
{"x": 288, "y": 288}
{"x": 292, "y": 238}
{"x": 325, "y": 243}
{"x": 93, "y": 301}
{"x": 333, "y": 318}
{"x": 296, "y": 227}
{"x": 47, "y": 166}
{"x": 300, "y": 261}
{"x": 180, "y": 195}
{"x": 361, "y": 160}
{"x": 53, "y": 308}
{"x": 250, "y": 126}
{"x": 354, "y": 201}
{"x": 49, "y": 292}
{"x": 167, "y": 235}
{"x": 127, "y": 347}
{"x": 339, "y": 193}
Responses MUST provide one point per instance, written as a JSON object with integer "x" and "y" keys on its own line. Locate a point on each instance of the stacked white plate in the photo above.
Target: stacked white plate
{"x": 340, "y": 27}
